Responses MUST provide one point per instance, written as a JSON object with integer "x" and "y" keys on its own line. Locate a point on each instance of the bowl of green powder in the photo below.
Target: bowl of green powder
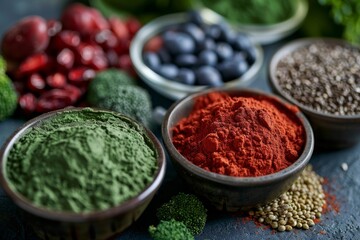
{"x": 264, "y": 21}
{"x": 81, "y": 173}
{"x": 237, "y": 148}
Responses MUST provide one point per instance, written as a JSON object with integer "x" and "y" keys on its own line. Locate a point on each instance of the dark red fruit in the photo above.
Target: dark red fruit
{"x": 85, "y": 20}
{"x": 133, "y": 25}
{"x": 99, "y": 62}
{"x": 119, "y": 28}
{"x": 154, "y": 44}
{"x": 65, "y": 59}
{"x": 80, "y": 76}
{"x": 125, "y": 63}
{"x": 112, "y": 58}
{"x": 26, "y": 37}
{"x": 85, "y": 53}
{"x": 65, "y": 39}
{"x": 52, "y": 100}
{"x": 36, "y": 83}
{"x": 74, "y": 92}
{"x": 53, "y": 27}
{"x": 56, "y": 80}
{"x": 106, "y": 39}
{"x": 33, "y": 64}
{"x": 27, "y": 102}
{"x": 123, "y": 47}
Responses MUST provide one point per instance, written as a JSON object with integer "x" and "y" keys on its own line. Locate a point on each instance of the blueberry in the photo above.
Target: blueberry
{"x": 251, "y": 55}
{"x": 232, "y": 69}
{"x": 185, "y": 76}
{"x": 239, "y": 56}
{"x": 209, "y": 76}
{"x": 177, "y": 43}
{"x": 224, "y": 51}
{"x": 213, "y": 31}
{"x": 241, "y": 42}
{"x": 208, "y": 43}
{"x": 169, "y": 71}
{"x": 226, "y": 33}
{"x": 207, "y": 57}
{"x": 152, "y": 60}
{"x": 186, "y": 60}
{"x": 194, "y": 31}
{"x": 164, "y": 56}
{"x": 196, "y": 18}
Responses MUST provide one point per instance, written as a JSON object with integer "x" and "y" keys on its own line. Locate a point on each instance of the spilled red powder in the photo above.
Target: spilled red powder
{"x": 331, "y": 203}
{"x": 240, "y": 136}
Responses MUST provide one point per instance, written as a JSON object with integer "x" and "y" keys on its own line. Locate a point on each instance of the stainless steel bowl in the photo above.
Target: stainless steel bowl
{"x": 166, "y": 87}
{"x": 226, "y": 192}
{"x": 94, "y": 225}
{"x": 331, "y": 131}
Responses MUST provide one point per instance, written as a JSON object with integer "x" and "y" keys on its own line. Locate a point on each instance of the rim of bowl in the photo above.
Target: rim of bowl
{"x": 162, "y": 84}
{"x": 292, "y": 47}
{"x": 45, "y": 213}
{"x": 269, "y": 33}
{"x": 231, "y": 180}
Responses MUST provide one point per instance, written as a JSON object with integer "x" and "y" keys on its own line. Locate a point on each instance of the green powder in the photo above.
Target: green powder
{"x": 254, "y": 11}
{"x": 82, "y": 161}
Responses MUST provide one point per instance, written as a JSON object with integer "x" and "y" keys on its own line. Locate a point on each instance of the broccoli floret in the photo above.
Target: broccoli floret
{"x": 8, "y": 97}
{"x": 130, "y": 100}
{"x": 185, "y": 208}
{"x": 105, "y": 82}
{"x": 170, "y": 230}
{"x": 2, "y": 65}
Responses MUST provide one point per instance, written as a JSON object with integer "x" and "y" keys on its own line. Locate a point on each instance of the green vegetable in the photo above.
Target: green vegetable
{"x": 8, "y": 97}
{"x": 254, "y": 11}
{"x": 185, "y": 208}
{"x": 115, "y": 90}
{"x": 105, "y": 81}
{"x": 82, "y": 161}
{"x": 170, "y": 230}
{"x": 346, "y": 13}
{"x": 2, "y": 65}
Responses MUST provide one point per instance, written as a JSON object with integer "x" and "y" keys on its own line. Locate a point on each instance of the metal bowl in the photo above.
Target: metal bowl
{"x": 230, "y": 193}
{"x": 330, "y": 130}
{"x": 93, "y": 225}
{"x": 166, "y": 87}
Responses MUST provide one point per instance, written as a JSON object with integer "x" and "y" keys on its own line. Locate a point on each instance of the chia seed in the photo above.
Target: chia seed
{"x": 324, "y": 77}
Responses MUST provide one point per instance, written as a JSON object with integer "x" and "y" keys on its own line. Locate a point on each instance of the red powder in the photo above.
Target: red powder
{"x": 240, "y": 136}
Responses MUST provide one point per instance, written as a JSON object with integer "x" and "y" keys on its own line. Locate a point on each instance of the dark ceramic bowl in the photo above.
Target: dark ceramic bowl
{"x": 226, "y": 192}
{"x": 169, "y": 88}
{"x": 330, "y": 130}
{"x": 94, "y": 225}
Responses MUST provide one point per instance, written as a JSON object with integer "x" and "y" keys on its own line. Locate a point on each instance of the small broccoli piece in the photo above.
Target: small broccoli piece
{"x": 170, "y": 230}
{"x": 130, "y": 100}
{"x": 2, "y": 65}
{"x": 105, "y": 82}
{"x": 185, "y": 208}
{"x": 8, "y": 97}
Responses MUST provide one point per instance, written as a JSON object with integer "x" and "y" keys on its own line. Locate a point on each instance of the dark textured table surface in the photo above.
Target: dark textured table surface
{"x": 345, "y": 185}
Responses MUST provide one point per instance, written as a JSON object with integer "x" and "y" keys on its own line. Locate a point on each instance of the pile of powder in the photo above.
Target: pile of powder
{"x": 240, "y": 136}
{"x": 82, "y": 161}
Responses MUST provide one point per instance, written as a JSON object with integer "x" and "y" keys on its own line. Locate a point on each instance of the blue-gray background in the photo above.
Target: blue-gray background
{"x": 344, "y": 184}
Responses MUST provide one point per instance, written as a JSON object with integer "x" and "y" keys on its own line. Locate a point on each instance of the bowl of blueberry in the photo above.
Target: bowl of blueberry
{"x": 179, "y": 54}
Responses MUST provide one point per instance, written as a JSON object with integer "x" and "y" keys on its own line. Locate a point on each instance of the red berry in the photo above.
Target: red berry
{"x": 33, "y": 64}
{"x": 65, "y": 39}
{"x": 84, "y": 53}
{"x": 123, "y": 47}
{"x": 56, "y": 80}
{"x": 99, "y": 62}
{"x": 106, "y": 39}
{"x": 80, "y": 76}
{"x": 74, "y": 92}
{"x": 133, "y": 25}
{"x": 119, "y": 28}
{"x": 36, "y": 83}
{"x": 154, "y": 44}
{"x": 27, "y": 102}
{"x": 52, "y": 100}
{"x": 53, "y": 27}
{"x": 65, "y": 59}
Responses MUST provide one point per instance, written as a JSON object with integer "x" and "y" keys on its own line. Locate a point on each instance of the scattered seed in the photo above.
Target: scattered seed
{"x": 344, "y": 167}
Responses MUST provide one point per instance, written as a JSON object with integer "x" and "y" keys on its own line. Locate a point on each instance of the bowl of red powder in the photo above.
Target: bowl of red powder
{"x": 237, "y": 148}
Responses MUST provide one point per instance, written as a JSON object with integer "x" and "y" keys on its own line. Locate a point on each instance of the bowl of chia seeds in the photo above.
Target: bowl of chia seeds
{"x": 81, "y": 173}
{"x": 322, "y": 77}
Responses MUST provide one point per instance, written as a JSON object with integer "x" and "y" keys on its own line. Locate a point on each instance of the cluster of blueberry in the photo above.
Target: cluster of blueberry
{"x": 196, "y": 53}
